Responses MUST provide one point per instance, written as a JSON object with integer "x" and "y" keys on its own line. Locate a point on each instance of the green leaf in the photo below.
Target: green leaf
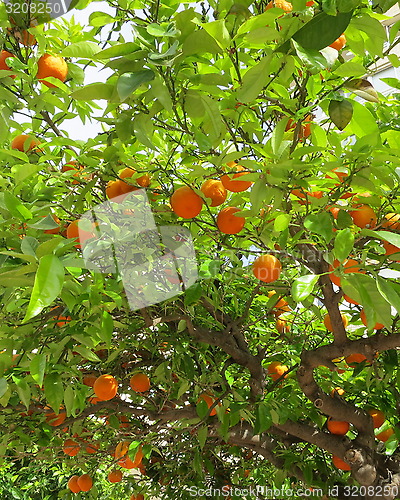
{"x": 15, "y": 206}
{"x": 3, "y": 386}
{"x": 344, "y": 242}
{"x": 302, "y": 287}
{"x": 37, "y": 368}
{"x": 93, "y": 91}
{"x": 390, "y": 291}
{"x": 320, "y": 224}
{"x": 98, "y": 19}
{"x": 117, "y": 50}
{"x": 277, "y": 143}
{"x": 282, "y": 222}
{"x": 163, "y": 29}
{"x": 350, "y": 69}
{"x": 106, "y": 328}
{"x": 263, "y": 418}
{"x": 389, "y": 236}
{"x": 69, "y": 400}
{"x": 254, "y": 80}
{"x": 218, "y": 31}
{"x": 363, "y": 122}
{"x": 311, "y": 58}
{"x": 49, "y": 280}
{"x": 202, "y": 434}
{"x": 129, "y": 82}
{"x": 200, "y": 42}
{"x": 24, "y": 390}
{"x": 193, "y": 294}
{"x": 87, "y": 353}
{"x": 340, "y": 112}
{"x": 85, "y": 50}
{"x": 54, "y": 390}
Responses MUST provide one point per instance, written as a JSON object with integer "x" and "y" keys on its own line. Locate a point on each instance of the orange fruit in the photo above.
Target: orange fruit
{"x": 209, "y": 402}
{"x": 340, "y": 464}
{"x": 140, "y": 382}
{"x": 54, "y": 66}
{"x": 364, "y": 216}
{"x": 115, "y": 476}
{"x": 328, "y": 324}
{"x": 127, "y": 463}
{"x": 281, "y": 4}
{"x": 92, "y": 448}
{"x": 228, "y": 222}
{"x": 89, "y": 380}
{"x": 115, "y": 189}
{"x": 267, "y": 268}
{"x": 339, "y": 43}
{"x": 73, "y": 484}
{"x": 105, "y": 387}
{"x": 385, "y": 435}
{"x": 121, "y": 449}
{"x": 74, "y": 165}
{"x": 276, "y": 370}
{"x": 56, "y": 420}
{"x": 392, "y": 221}
{"x": 391, "y": 249}
{"x": 143, "y": 180}
{"x": 281, "y": 304}
{"x": 139, "y": 496}
{"x": 349, "y": 265}
{"x": 305, "y": 131}
{"x": 85, "y": 482}
{"x": 354, "y": 359}
{"x": 63, "y": 320}
{"x": 214, "y": 190}
{"x": 378, "y": 326}
{"x": 71, "y": 447}
{"x": 73, "y": 231}
{"x": 4, "y": 55}
{"x": 228, "y": 179}
{"x": 22, "y": 35}
{"x": 282, "y": 326}
{"x": 186, "y": 203}
{"x": 337, "y": 391}
{"x": 24, "y": 142}
{"x": 378, "y": 417}
{"x": 338, "y": 427}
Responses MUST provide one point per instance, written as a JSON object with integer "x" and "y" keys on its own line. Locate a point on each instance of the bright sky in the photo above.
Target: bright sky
{"x": 74, "y": 127}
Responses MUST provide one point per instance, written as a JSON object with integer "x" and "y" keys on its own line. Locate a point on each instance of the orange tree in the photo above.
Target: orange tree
{"x": 253, "y": 126}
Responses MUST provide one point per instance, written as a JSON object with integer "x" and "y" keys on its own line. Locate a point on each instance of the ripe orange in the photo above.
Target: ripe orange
{"x": 338, "y": 427}
{"x": 349, "y": 265}
{"x": 115, "y": 476}
{"x": 385, "y": 435}
{"x": 228, "y": 179}
{"x": 85, "y": 482}
{"x": 340, "y": 464}
{"x": 214, "y": 190}
{"x": 276, "y": 370}
{"x": 391, "y": 249}
{"x": 364, "y": 216}
{"x": 24, "y": 142}
{"x": 186, "y": 203}
{"x": 281, "y": 304}
{"x": 71, "y": 447}
{"x": 282, "y": 326}
{"x": 392, "y": 221}
{"x": 105, "y": 387}
{"x": 305, "y": 131}
{"x": 56, "y": 420}
{"x": 73, "y": 231}
{"x": 89, "y": 380}
{"x": 121, "y": 449}
{"x": 4, "y": 55}
{"x": 337, "y": 391}
{"x": 378, "y": 326}
{"x": 127, "y": 463}
{"x": 54, "y": 66}
{"x": 91, "y": 448}
{"x": 339, "y": 43}
{"x": 267, "y": 268}
{"x": 140, "y": 382}
{"x": 354, "y": 359}
{"x": 328, "y": 323}
{"x": 378, "y": 417}
{"x": 143, "y": 180}
{"x": 73, "y": 484}
{"x": 281, "y": 4}
{"x": 139, "y": 496}
{"x": 209, "y": 402}
{"x": 74, "y": 165}
{"x": 228, "y": 222}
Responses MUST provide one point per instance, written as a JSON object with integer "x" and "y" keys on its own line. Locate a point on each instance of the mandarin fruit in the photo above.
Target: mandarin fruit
{"x": 267, "y": 268}
{"x": 186, "y": 203}
{"x": 105, "y": 387}
{"x": 215, "y": 191}
{"x": 228, "y": 222}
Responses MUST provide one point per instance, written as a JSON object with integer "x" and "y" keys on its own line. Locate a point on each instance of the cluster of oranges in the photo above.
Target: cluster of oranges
{"x": 186, "y": 203}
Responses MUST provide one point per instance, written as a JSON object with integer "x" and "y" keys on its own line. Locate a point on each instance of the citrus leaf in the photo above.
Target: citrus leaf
{"x": 340, "y": 112}
{"x": 129, "y": 82}
{"x": 303, "y": 286}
